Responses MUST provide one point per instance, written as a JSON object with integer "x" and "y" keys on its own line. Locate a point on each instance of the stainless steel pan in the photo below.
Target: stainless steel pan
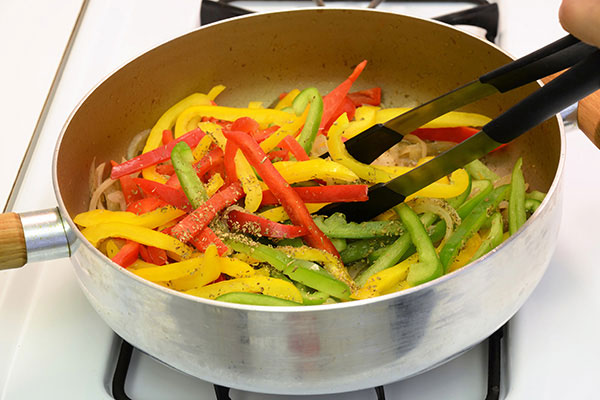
{"x": 309, "y": 350}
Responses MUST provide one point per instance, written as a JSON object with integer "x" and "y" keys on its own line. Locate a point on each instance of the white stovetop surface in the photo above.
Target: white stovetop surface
{"x": 52, "y": 343}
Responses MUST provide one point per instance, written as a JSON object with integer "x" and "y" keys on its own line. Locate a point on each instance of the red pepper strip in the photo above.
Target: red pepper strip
{"x": 213, "y": 159}
{"x": 128, "y": 187}
{"x": 332, "y": 102}
{"x": 245, "y": 124}
{"x": 128, "y": 254}
{"x": 291, "y": 145}
{"x": 145, "y": 205}
{"x": 166, "y": 193}
{"x": 371, "y": 97}
{"x": 348, "y": 107}
{"x": 165, "y": 169}
{"x": 153, "y": 255}
{"x": 453, "y": 134}
{"x": 259, "y": 226}
{"x": 229, "y": 161}
{"x": 265, "y": 133}
{"x": 206, "y": 238}
{"x": 289, "y": 199}
{"x": 196, "y": 221}
{"x": 278, "y": 155}
{"x": 323, "y": 194}
{"x": 155, "y": 156}
{"x": 167, "y": 136}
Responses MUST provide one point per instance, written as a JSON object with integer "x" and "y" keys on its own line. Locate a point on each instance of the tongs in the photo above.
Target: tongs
{"x": 582, "y": 79}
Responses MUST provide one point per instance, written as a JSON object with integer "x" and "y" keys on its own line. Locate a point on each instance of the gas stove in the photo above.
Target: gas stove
{"x": 55, "y": 346}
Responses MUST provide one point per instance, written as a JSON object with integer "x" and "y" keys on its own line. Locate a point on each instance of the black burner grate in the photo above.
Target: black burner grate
{"x": 485, "y": 15}
{"x": 494, "y": 376}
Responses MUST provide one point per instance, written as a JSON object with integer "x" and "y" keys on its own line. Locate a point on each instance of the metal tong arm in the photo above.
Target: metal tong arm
{"x": 575, "y": 84}
{"x": 555, "y": 57}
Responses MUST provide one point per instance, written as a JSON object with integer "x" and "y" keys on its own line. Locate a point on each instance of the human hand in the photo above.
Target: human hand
{"x": 581, "y": 18}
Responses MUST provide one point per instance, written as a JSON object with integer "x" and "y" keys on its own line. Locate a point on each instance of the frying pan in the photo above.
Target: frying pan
{"x": 303, "y": 350}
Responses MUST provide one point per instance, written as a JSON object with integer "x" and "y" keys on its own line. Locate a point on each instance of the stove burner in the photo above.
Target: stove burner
{"x": 222, "y": 393}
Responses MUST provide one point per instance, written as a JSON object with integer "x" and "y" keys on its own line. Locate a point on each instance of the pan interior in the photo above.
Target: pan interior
{"x": 258, "y": 57}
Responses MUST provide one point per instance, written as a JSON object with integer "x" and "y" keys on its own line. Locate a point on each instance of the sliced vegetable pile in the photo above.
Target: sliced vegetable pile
{"x": 223, "y": 202}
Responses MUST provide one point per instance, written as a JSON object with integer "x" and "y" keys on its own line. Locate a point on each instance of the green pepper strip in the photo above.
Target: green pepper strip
{"x": 493, "y": 239}
{"x": 339, "y": 243}
{"x": 531, "y": 205}
{"x": 535, "y": 195}
{"x": 393, "y": 254}
{"x": 305, "y": 272}
{"x": 471, "y": 224}
{"x": 516, "y": 203}
{"x": 309, "y": 298}
{"x": 313, "y": 119}
{"x": 429, "y": 266}
{"x": 463, "y": 208}
{"x": 182, "y": 159}
{"x": 255, "y": 299}
{"x": 483, "y": 188}
{"x": 363, "y": 248}
{"x": 337, "y": 227}
{"x": 479, "y": 170}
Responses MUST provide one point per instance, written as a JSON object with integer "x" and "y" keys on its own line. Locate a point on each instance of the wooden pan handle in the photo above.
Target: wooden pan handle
{"x": 588, "y": 114}
{"x": 13, "y": 252}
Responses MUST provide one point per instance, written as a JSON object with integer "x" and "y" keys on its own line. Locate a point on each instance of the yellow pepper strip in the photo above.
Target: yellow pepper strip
{"x": 255, "y": 284}
{"x": 459, "y": 179}
{"x": 278, "y": 214}
{"x": 202, "y": 148}
{"x": 215, "y": 132}
{"x": 166, "y": 121}
{"x": 332, "y": 264}
{"x": 449, "y": 120}
{"x": 317, "y": 168}
{"x": 338, "y": 153}
{"x": 139, "y": 234}
{"x": 255, "y": 104}
{"x": 292, "y": 128}
{"x": 214, "y": 183}
{"x": 172, "y": 271}
{"x": 402, "y": 285}
{"x": 467, "y": 252}
{"x": 111, "y": 248}
{"x": 364, "y": 118}
{"x": 139, "y": 264}
{"x": 207, "y": 271}
{"x": 151, "y": 219}
{"x": 250, "y": 183}
{"x": 287, "y": 99}
{"x": 215, "y": 91}
{"x": 385, "y": 280}
{"x": 236, "y": 268}
{"x": 386, "y": 215}
{"x": 263, "y": 116}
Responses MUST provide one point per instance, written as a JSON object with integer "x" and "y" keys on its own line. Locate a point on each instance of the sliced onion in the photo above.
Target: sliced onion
{"x": 438, "y": 207}
{"x": 115, "y": 201}
{"x": 137, "y": 144}
{"x": 95, "y": 201}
